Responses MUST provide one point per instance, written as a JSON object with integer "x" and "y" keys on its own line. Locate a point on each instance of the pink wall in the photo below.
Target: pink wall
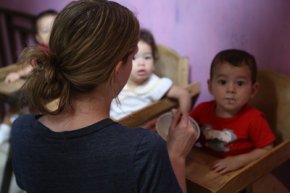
{"x": 199, "y": 29}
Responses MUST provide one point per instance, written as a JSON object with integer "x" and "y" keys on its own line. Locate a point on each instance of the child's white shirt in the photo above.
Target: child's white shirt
{"x": 133, "y": 99}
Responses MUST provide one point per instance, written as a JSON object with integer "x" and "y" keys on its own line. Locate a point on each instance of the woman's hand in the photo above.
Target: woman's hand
{"x": 181, "y": 138}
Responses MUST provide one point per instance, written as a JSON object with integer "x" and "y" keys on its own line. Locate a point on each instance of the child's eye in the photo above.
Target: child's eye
{"x": 222, "y": 82}
{"x": 240, "y": 83}
{"x": 148, "y": 57}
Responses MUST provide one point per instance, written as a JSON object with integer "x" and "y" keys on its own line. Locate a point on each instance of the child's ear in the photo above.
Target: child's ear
{"x": 209, "y": 87}
{"x": 255, "y": 88}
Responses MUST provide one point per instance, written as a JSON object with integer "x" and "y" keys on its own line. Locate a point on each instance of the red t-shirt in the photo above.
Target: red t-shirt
{"x": 232, "y": 136}
{"x": 45, "y": 47}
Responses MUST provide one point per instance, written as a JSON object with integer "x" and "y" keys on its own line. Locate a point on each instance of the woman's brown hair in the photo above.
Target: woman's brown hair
{"x": 88, "y": 38}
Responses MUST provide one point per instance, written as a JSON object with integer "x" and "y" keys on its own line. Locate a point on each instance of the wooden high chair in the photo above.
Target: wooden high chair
{"x": 273, "y": 99}
{"x": 7, "y": 94}
{"x": 15, "y": 34}
{"x": 8, "y": 91}
{"x": 171, "y": 65}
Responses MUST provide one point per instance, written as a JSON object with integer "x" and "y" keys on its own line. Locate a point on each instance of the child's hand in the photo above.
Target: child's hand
{"x": 12, "y": 77}
{"x": 227, "y": 164}
{"x": 235, "y": 162}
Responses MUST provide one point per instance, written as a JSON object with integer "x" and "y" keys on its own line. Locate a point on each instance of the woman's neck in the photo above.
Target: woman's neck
{"x": 84, "y": 111}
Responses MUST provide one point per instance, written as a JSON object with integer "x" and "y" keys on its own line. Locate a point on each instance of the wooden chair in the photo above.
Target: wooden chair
{"x": 9, "y": 92}
{"x": 170, "y": 64}
{"x": 15, "y": 34}
{"x": 274, "y": 100}
{"x": 7, "y": 69}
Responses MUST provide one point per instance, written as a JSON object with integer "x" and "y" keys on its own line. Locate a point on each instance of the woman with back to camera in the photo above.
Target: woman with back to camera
{"x": 77, "y": 147}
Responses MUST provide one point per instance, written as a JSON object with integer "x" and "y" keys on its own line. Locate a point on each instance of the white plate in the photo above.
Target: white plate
{"x": 164, "y": 122}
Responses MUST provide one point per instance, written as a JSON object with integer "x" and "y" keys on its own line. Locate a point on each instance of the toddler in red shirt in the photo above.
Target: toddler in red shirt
{"x": 231, "y": 128}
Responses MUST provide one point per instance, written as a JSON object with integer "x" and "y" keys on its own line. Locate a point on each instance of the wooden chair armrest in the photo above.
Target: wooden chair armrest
{"x": 202, "y": 180}
{"x": 7, "y": 69}
{"x": 7, "y": 90}
{"x": 10, "y": 88}
{"x": 157, "y": 108}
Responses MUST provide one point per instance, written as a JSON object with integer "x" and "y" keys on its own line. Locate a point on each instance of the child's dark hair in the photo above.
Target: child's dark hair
{"x": 147, "y": 37}
{"x": 235, "y": 57}
{"x": 41, "y": 15}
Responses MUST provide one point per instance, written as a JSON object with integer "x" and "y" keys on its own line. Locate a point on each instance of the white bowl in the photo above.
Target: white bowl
{"x": 164, "y": 122}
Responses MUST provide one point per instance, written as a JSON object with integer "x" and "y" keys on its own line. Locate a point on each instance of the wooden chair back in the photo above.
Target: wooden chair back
{"x": 170, "y": 64}
{"x": 273, "y": 98}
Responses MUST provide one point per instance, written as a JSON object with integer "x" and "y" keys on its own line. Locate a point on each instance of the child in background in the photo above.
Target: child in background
{"x": 143, "y": 86}
{"x": 231, "y": 128}
{"x": 41, "y": 29}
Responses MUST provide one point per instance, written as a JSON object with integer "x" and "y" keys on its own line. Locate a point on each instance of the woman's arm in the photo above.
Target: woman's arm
{"x": 180, "y": 140}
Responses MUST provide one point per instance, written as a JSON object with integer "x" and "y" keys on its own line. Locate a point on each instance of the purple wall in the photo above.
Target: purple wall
{"x": 199, "y": 29}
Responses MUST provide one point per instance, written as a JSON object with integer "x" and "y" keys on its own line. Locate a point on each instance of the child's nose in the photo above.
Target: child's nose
{"x": 140, "y": 61}
{"x": 231, "y": 87}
